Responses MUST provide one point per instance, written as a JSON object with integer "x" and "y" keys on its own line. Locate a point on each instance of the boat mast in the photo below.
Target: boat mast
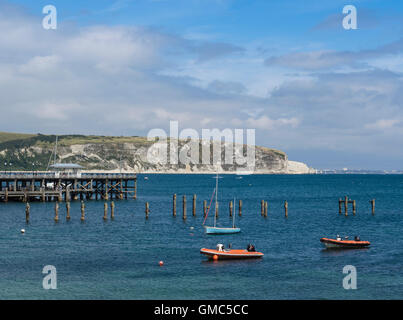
{"x": 216, "y": 192}
{"x": 53, "y": 154}
{"x": 54, "y": 161}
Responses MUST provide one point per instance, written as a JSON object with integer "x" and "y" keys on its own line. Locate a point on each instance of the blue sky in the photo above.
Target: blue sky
{"x": 326, "y": 96}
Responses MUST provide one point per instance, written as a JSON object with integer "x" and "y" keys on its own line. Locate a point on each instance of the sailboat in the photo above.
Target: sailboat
{"x": 219, "y": 230}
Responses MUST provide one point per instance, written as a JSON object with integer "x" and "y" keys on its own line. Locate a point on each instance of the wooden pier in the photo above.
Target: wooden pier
{"x": 57, "y": 186}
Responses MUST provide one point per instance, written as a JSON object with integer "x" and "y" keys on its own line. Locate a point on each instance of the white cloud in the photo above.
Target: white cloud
{"x": 266, "y": 123}
{"x": 40, "y": 64}
{"x": 382, "y": 124}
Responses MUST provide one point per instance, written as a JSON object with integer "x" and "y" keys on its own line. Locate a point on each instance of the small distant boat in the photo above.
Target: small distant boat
{"x": 220, "y": 253}
{"x": 145, "y": 178}
{"x": 217, "y": 230}
{"x": 344, "y": 244}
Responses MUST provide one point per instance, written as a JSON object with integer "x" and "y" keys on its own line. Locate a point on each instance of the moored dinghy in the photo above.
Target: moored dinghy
{"x": 340, "y": 243}
{"x": 220, "y": 253}
{"x": 219, "y": 230}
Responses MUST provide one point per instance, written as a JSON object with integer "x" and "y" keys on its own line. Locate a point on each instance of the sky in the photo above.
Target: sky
{"x": 326, "y": 96}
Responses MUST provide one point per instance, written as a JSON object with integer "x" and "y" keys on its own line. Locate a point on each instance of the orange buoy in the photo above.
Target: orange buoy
{"x": 215, "y": 257}
{"x": 161, "y": 263}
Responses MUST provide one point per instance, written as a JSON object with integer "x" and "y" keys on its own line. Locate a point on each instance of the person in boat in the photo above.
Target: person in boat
{"x": 338, "y": 238}
{"x": 251, "y": 248}
{"x": 357, "y": 238}
{"x": 220, "y": 247}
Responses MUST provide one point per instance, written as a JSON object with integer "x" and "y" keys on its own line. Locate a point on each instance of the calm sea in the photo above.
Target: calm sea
{"x": 119, "y": 259}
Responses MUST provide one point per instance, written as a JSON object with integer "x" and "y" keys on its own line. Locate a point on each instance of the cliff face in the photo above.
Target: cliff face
{"x": 131, "y": 154}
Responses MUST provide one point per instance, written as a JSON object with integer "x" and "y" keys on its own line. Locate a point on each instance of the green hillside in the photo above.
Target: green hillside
{"x": 16, "y": 148}
{"x": 6, "y": 136}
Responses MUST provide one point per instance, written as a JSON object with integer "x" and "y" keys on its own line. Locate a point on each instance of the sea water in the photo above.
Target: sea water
{"x": 119, "y": 259}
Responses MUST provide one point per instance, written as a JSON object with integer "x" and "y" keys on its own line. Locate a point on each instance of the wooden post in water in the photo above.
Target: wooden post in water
{"x": 147, "y": 209}
{"x": 112, "y": 210}
{"x": 82, "y": 211}
{"x": 68, "y": 211}
{"x": 56, "y": 211}
{"x": 184, "y": 207}
{"x": 354, "y": 207}
{"x": 230, "y": 208}
{"x": 240, "y": 208}
{"x": 194, "y": 206}
{"x": 6, "y": 195}
{"x": 346, "y": 206}
{"x": 340, "y": 201}
{"x": 286, "y": 208}
{"x": 265, "y": 209}
{"x": 216, "y": 209}
{"x": 135, "y": 189}
{"x": 204, "y": 208}
{"x": 105, "y": 211}
{"x": 262, "y": 208}
{"x": 373, "y": 206}
{"x": 27, "y": 209}
{"x": 174, "y": 205}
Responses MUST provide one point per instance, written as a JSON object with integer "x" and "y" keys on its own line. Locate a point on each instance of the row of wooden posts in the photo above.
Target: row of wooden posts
{"x": 232, "y": 207}
{"x": 68, "y": 217}
{"x": 263, "y": 208}
{"x": 346, "y": 201}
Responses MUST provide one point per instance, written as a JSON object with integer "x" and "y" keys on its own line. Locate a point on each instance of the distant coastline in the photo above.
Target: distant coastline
{"x": 131, "y": 154}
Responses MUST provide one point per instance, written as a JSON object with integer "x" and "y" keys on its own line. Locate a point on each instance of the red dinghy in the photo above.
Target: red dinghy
{"x": 221, "y": 253}
{"x": 344, "y": 244}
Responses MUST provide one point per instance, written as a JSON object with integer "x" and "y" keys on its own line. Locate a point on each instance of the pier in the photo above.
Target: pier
{"x": 60, "y": 186}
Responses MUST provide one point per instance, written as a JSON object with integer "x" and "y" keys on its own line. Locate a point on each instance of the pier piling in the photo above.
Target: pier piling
{"x": 373, "y": 206}
{"x": 68, "y": 211}
{"x": 56, "y": 211}
{"x": 354, "y": 207}
{"x": 286, "y": 208}
{"x": 204, "y": 208}
{"x": 265, "y": 209}
{"x": 105, "y": 211}
{"x": 174, "y": 205}
{"x": 184, "y": 207}
{"x": 27, "y": 209}
{"x": 147, "y": 209}
{"x": 262, "y": 208}
{"x": 240, "y": 208}
{"x": 230, "y": 208}
{"x": 82, "y": 211}
{"x": 346, "y": 206}
{"x": 194, "y": 206}
{"x": 112, "y": 210}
